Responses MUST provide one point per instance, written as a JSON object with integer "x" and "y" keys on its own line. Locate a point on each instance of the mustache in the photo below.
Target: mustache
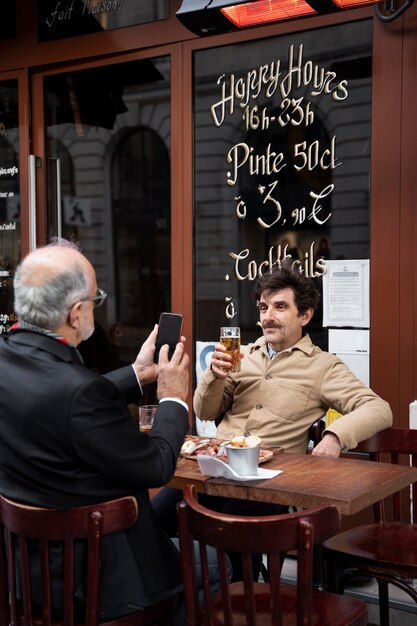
{"x": 270, "y": 325}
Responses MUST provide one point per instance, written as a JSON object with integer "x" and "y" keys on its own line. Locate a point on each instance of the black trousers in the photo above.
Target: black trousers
{"x": 165, "y": 502}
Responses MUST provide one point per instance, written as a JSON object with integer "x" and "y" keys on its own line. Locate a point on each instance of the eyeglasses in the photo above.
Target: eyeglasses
{"x": 98, "y": 299}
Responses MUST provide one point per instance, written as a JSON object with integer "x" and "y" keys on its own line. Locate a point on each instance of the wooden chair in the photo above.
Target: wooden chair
{"x": 315, "y": 432}
{"x": 22, "y": 525}
{"x": 387, "y": 548}
{"x": 251, "y": 603}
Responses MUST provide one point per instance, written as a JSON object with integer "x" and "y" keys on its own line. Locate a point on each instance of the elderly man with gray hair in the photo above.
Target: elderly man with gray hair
{"x": 66, "y": 435}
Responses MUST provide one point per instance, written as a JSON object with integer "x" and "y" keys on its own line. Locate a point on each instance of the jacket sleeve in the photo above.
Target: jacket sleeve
{"x": 125, "y": 380}
{"x": 105, "y": 437}
{"x": 364, "y": 413}
{"x": 213, "y": 396}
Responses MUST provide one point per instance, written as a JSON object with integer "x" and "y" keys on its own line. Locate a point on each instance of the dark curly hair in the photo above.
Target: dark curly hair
{"x": 288, "y": 274}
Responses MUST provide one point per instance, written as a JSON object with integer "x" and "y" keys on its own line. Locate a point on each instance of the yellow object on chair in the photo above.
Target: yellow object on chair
{"x": 331, "y": 416}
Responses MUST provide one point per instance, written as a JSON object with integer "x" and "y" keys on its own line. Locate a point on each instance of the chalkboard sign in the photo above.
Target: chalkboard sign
{"x": 282, "y": 165}
{"x": 58, "y": 19}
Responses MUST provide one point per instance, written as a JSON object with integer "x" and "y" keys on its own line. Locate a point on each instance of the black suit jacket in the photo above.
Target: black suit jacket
{"x": 67, "y": 439}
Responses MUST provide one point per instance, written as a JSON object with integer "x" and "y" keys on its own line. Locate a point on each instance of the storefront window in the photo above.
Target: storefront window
{"x": 282, "y": 166}
{"x": 9, "y": 199}
{"x": 108, "y": 147}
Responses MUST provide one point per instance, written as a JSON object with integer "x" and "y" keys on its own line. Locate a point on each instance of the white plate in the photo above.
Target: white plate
{"x": 210, "y": 466}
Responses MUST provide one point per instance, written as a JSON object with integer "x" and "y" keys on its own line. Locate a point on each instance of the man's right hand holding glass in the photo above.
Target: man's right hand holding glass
{"x": 221, "y": 362}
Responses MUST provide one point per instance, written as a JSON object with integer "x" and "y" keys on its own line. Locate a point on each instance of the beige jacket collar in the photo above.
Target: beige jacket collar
{"x": 305, "y": 345}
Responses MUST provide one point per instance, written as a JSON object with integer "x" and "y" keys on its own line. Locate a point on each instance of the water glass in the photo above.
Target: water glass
{"x": 146, "y": 417}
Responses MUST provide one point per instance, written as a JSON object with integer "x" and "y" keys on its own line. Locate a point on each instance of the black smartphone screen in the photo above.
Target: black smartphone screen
{"x": 169, "y": 332}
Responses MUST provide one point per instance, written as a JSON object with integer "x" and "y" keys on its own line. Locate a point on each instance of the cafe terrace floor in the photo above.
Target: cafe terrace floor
{"x": 403, "y": 610}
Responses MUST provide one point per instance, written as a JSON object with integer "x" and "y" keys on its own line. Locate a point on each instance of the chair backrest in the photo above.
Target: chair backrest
{"x": 315, "y": 432}
{"x": 273, "y": 535}
{"x": 394, "y": 445}
{"x": 21, "y": 526}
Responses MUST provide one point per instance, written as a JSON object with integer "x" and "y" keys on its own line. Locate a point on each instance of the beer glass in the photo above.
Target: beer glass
{"x": 230, "y": 339}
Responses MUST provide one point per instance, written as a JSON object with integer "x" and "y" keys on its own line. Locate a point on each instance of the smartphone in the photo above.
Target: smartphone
{"x": 169, "y": 332}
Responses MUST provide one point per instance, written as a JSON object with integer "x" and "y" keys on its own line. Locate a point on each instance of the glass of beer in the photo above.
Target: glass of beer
{"x": 230, "y": 339}
{"x": 146, "y": 417}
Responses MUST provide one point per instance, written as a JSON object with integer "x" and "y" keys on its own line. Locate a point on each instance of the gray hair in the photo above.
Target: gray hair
{"x": 47, "y": 305}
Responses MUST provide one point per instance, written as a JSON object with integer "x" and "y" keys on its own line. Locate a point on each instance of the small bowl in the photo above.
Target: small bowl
{"x": 244, "y": 461}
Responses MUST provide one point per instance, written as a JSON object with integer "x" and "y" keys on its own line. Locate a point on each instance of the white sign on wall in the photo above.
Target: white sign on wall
{"x": 346, "y": 293}
{"x": 203, "y": 353}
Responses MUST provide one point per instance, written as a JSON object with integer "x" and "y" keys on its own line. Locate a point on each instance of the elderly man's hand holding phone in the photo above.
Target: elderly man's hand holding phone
{"x": 172, "y": 359}
{"x": 156, "y": 358}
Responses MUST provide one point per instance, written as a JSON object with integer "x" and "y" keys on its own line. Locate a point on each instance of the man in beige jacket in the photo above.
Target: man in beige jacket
{"x": 286, "y": 383}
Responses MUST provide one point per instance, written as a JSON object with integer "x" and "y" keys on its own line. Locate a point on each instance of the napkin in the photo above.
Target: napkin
{"x": 210, "y": 466}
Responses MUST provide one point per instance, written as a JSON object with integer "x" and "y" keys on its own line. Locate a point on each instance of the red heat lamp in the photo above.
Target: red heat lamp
{"x": 263, "y": 11}
{"x": 205, "y": 17}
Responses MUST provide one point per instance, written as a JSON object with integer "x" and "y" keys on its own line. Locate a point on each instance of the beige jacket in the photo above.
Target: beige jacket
{"x": 278, "y": 399}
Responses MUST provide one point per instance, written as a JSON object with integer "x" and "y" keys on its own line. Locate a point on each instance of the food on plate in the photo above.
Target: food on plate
{"x": 240, "y": 441}
{"x": 194, "y": 446}
{"x": 188, "y": 447}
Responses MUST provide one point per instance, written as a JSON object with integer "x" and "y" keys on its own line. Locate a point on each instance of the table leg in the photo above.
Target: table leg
{"x": 319, "y": 582}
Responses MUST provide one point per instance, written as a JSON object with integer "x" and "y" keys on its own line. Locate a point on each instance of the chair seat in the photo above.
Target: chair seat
{"x": 387, "y": 549}
{"x": 328, "y": 609}
{"x": 253, "y": 603}
{"x": 392, "y": 545}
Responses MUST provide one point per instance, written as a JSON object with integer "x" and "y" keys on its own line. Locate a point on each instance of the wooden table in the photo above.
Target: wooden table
{"x": 350, "y": 484}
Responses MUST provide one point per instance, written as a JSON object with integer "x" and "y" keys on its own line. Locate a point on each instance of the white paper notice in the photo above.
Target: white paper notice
{"x": 352, "y": 346}
{"x": 346, "y": 293}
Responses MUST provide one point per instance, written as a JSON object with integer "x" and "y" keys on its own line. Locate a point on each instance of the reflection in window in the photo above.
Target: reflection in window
{"x": 140, "y": 204}
{"x": 61, "y": 171}
{"x": 109, "y": 127}
{"x": 82, "y": 17}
